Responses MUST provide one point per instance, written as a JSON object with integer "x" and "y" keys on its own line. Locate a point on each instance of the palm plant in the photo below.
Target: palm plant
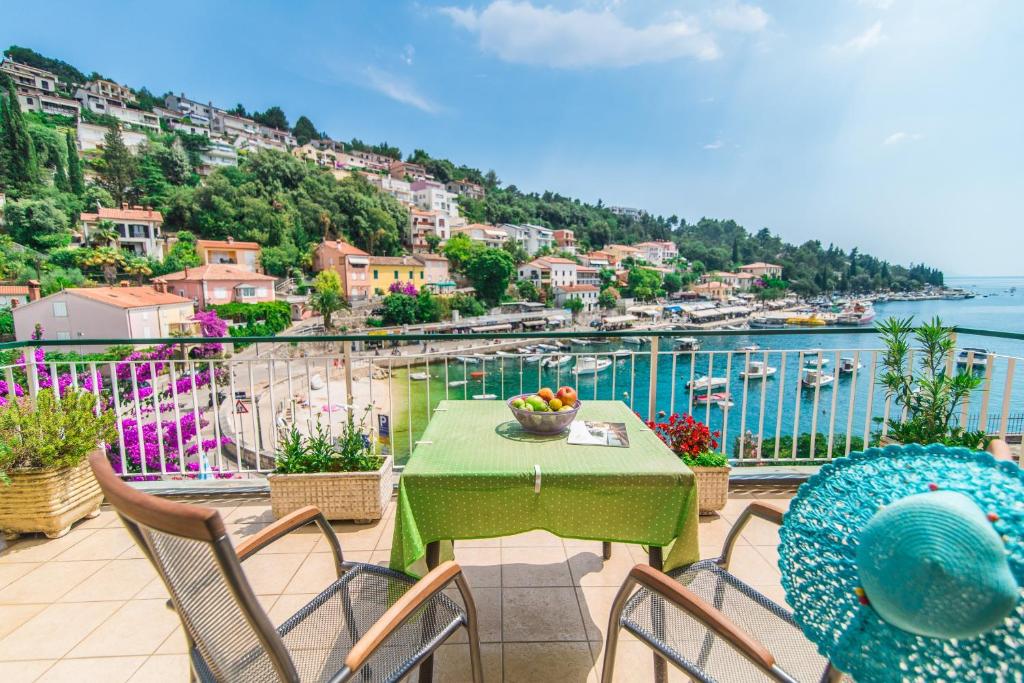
{"x": 138, "y": 268}
{"x": 107, "y": 259}
{"x": 928, "y": 392}
{"x": 105, "y": 235}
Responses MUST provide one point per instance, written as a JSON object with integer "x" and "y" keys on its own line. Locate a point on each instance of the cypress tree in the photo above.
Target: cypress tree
{"x": 23, "y": 166}
{"x": 119, "y": 170}
{"x": 60, "y": 176}
{"x": 75, "y": 180}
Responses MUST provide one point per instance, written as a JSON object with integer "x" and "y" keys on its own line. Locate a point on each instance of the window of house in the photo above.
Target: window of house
{"x": 28, "y": 100}
{"x": 396, "y": 274}
{"x": 246, "y": 292}
{"x": 60, "y": 309}
{"x": 421, "y": 274}
{"x": 375, "y": 275}
{"x": 63, "y": 335}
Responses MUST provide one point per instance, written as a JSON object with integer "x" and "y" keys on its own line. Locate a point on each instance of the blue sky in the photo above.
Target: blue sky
{"x": 891, "y": 125}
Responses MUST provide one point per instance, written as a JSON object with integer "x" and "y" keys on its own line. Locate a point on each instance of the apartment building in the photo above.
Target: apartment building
{"x": 219, "y": 283}
{"x": 715, "y": 291}
{"x": 423, "y": 223}
{"x": 138, "y": 229}
{"x": 399, "y": 189}
{"x": 550, "y": 271}
{"x": 435, "y": 268}
{"x": 430, "y": 195}
{"x": 658, "y": 252}
{"x": 464, "y": 188}
{"x": 762, "y": 269}
{"x": 404, "y": 170}
{"x": 586, "y": 293}
{"x": 627, "y": 212}
{"x": 587, "y": 275}
{"x": 490, "y": 235}
{"x": 349, "y": 262}
{"x": 217, "y": 153}
{"x": 198, "y": 112}
{"x": 386, "y": 270}
{"x": 599, "y": 259}
{"x": 565, "y": 240}
{"x": 532, "y": 237}
{"x": 373, "y": 161}
{"x": 185, "y": 125}
{"x": 740, "y": 280}
{"x": 37, "y": 90}
{"x": 321, "y": 155}
{"x": 243, "y": 255}
{"x": 92, "y": 136}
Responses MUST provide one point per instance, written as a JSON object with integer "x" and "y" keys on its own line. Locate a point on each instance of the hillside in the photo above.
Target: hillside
{"x": 289, "y": 205}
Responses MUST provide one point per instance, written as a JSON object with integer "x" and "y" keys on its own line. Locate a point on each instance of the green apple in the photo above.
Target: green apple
{"x": 565, "y": 409}
{"x": 537, "y": 402}
{"x": 518, "y": 403}
{"x": 528, "y": 408}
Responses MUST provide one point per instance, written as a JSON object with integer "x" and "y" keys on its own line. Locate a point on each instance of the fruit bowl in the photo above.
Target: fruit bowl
{"x": 537, "y": 422}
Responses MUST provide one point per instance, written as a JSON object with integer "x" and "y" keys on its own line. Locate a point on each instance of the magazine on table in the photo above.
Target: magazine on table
{"x": 587, "y": 433}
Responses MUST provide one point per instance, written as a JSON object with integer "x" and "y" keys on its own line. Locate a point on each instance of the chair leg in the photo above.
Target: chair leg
{"x": 472, "y": 629}
{"x": 611, "y": 644}
{"x": 658, "y": 617}
{"x": 433, "y": 559}
{"x": 606, "y": 550}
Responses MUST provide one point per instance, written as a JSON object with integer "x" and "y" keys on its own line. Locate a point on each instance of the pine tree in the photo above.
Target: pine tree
{"x": 20, "y": 152}
{"x": 60, "y": 176}
{"x": 117, "y": 175}
{"x": 75, "y": 180}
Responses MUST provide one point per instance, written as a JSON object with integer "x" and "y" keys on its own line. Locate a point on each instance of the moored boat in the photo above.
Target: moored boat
{"x": 705, "y": 382}
{"x": 588, "y": 365}
{"x": 812, "y": 377}
{"x": 757, "y": 370}
{"x": 972, "y": 355}
{"x": 555, "y": 361}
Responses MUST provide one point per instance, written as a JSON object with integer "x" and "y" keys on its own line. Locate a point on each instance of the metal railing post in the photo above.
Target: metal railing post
{"x": 346, "y": 353}
{"x": 652, "y": 405}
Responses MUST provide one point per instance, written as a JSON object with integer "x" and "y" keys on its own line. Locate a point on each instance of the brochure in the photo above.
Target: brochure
{"x": 585, "y": 433}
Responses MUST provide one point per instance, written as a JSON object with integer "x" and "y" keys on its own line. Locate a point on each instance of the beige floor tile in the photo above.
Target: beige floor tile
{"x": 49, "y": 582}
{"x": 137, "y": 628}
{"x": 295, "y": 542}
{"x": 353, "y": 537}
{"x": 749, "y": 566}
{"x": 541, "y": 614}
{"x": 107, "y": 518}
{"x": 381, "y": 558}
{"x": 119, "y": 580}
{"x": 770, "y": 553}
{"x": 24, "y": 671}
{"x": 452, "y": 663}
{"x": 134, "y": 552}
{"x": 713, "y": 530}
{"x": 482, "y": 566}
{"x": 590, "y": 569}
{"x": 269, "y": 574}
{"x": 562, "y": 662}
{"x": 760, "y": 532}
{"x": 153, "y": 589}
{"x": 387, "y": 534}
{"x": 478, "y": 543}
{"x": 542, "y": 566}
{"x": 102, "y": 544}
{"x": 106, "y": 669}
{"x": 287, "y": 605}
{"x": 489, "y": 607}
{"x": 13, "y": 616}
{"x": 175, "y": 644}
{"x": 39, "y": 549}
{"x": 736, "y": 504}
{"x": 634, "y": 663}
{"x": 532, "y": 539}
{"x": 54, "y": 631}
{"x": 249, "y": 515}
{"x": 596, "y": 607}
{"x": 781, "y": 501}
{"x": 12, "y": 571}
{"x": 315, "y": 573}
{"x": 163, "y": 669}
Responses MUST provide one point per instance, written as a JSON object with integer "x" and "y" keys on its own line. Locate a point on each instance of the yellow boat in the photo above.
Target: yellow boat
{"x": 806, "y": 321}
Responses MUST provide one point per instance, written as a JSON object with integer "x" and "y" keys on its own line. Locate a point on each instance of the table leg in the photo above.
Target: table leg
{"x": 606, "y": 550}
{"x": 433, "y": 559}
{"x": 658, "y": 618}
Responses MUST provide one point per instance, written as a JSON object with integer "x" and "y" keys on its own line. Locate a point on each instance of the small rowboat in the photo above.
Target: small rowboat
{"x": 484, "y": 397}
{"x": 477, "y": 374}
{"x": 712, "y": 398}
{"x": 458, "y": 383}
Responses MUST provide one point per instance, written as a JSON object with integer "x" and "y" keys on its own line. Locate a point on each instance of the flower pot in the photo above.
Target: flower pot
{"x": 712, "y": 488}
{"x": 48, "y": 501}
{"x": 357, "y": 496}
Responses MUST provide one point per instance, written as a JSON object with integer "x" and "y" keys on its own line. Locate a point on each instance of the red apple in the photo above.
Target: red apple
{"x": 567, "y": 395}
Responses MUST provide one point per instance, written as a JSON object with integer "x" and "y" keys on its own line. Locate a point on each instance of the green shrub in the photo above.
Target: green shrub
{"x": 51, "y": 432}
{"x": 318, "y": 452}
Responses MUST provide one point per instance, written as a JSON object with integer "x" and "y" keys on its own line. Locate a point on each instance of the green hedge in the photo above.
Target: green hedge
{"x": 261, "y": 320}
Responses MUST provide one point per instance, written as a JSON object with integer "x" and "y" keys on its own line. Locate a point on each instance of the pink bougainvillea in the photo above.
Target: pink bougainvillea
{"x": 407, "y": 288}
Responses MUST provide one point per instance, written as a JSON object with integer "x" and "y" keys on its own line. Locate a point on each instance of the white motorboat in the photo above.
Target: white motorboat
{"x": 751, "y": 347}
{"x": 523, "y": 350}
{"x": 484, "y": 397}
{"x": 636, "y": 341}
{"x": 588, "y": 365}
{"x": 848, "y": 365}
{"x": 811, "y": 357}
{"x": 725, "y": 404}
{"x": 622, "y": 353}
{"x": 767, "y": 323}
{"x": 546, "y": 347}
{"x": 687, "y": 344}
{"x": 814, "y": 378}
{"x": 555, "y": 361}
{"x": 505, "y": 354}
{"x": 580, "y": 342}
{"x": 757, "y": 370}
{"x": 468, "y": 360}
{"x": 705, "y": 382}
{"x": 458, "y": 383}
{"x": 972, "y": 355}
{"x": 535, "y": 358}
{"x": 419, "y": 376}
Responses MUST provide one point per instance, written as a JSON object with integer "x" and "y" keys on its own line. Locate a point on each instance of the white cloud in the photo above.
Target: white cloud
{"x": 717, "y": 144}
{"x": 398, "y": 89}
{"x": 408, "y": 53}
{"x": 864, "y": 41}
{"x": 877, "y": 4}
{"x": 740, "y": 17}
{"x": 901, "y": 136}
{"x": 517, "y": 31}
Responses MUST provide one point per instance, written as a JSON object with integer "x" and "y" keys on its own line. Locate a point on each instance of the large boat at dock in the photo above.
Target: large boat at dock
{"x": 856, "y": 313}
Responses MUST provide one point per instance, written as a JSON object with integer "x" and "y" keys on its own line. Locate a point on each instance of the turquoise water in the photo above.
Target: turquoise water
{"x": 803, "y": 410}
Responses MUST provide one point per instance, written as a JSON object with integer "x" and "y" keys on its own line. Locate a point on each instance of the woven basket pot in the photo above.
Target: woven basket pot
{"x": 48, "y": 500}
{"x": 712, "y": 488}
{"x": 357, "y": 496}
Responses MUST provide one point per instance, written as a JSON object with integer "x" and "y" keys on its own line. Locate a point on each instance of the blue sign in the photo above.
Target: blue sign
{"x": 383, "y": 426}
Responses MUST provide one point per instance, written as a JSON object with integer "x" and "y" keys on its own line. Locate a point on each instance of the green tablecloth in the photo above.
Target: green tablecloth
{"x": 472, "y": 475}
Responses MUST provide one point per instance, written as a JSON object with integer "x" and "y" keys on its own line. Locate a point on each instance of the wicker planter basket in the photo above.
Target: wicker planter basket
{"x": 358, "y": 496}
{"x": 712, "y": 488}
{"x": 48, "y": 500}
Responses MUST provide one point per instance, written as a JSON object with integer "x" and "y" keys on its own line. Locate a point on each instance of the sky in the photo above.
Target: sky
{"x": 891, "y": 125}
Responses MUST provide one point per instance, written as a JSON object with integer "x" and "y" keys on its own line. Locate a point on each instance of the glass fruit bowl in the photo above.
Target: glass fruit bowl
{"x": 538, "y": 422}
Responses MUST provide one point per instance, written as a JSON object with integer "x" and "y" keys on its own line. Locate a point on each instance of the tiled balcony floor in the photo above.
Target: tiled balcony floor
{"x": 88, "y": 606}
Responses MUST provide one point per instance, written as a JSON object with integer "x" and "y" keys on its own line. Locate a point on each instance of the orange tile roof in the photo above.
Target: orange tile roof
{"x": 344, "y": 247}
{"x": 759, "y": 264}
{"x": 227, "y": 244}
{"x": 430, "y": 257}
{"x": 554, "y": 259}
{"x": 215, "y": 271}
{"x": 578, "y": 288}
{"x": 128, "y": 297}
{"x": 394, "y": 261}
{"x": 13, "y": 289}
{"x": 134, "y": 213}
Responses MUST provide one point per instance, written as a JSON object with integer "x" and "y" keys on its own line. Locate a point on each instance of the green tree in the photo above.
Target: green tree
{"x": 516, "y": 251}
{"x": 399, "y": 309}
{"x": 527, "y": 291}
{"x": 645, "y": 284}
{"x": 108, "y": 260}
{"x": 304, "y": 130}
{"x": 273, "y": 117}
{"x": 328, "y": 296}
{"x": 75, "y": 179}
{"x": 433, "y": 242}
{"x": 608, "y": 298}
{"x": 490, "y": 270}
{"x": 608, "y": 278}
{"x": 181, "y": 255}
{"x": 118, "y": 168}
{"x": 19, "y": 151}
{"x": 575, "y": 307}
{"x": 104, "y": 234}
{"x": 460, "y": 250}
{"x": 37, "y": 223}
{"x": 672, "y": 282}
{"x": 428, "y": 310}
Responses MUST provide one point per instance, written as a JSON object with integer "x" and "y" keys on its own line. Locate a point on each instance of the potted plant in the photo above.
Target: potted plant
{"x": 342, "y": 476}
{"x": 928, "y": 395}
{"x": 695, "y": 444}
{"x": 45, "y": 481}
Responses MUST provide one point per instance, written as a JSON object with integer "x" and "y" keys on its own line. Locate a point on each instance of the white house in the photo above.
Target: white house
{"x": 657, "y": 253}
{"x": 762, "y": 269}
{"x": 489, "y": 235}
{"x": 549, "y": 271}
{"x": 433, "y": 196}
{"x": 138, "y": 229}
{"x": 585, "y": 293}
{"x": 532, "y": 237}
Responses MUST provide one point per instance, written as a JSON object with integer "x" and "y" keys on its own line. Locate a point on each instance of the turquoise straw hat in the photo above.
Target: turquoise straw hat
{"x": 907, "y": 563}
